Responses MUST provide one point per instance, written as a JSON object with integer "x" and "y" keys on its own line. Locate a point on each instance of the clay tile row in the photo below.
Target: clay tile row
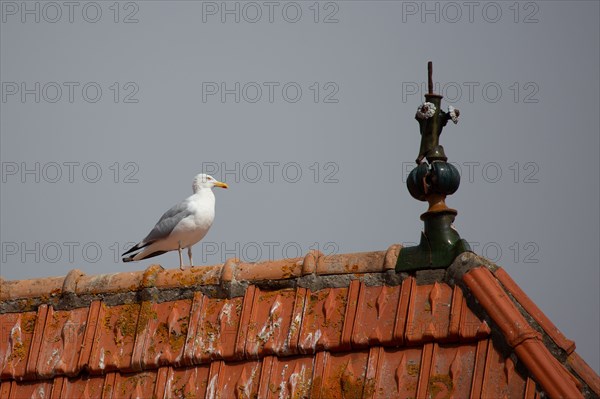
{"x": 531, "y": 308}
{"x": 285, "y": 322}
{"x": 433, "y": 370}
{"x": 524, "y": 340}
{"x": 76, "y": 282}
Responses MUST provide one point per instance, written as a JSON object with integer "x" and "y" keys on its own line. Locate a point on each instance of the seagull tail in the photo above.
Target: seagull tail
{"x": 135, "y": 248}
{"x": 141, "y": 255}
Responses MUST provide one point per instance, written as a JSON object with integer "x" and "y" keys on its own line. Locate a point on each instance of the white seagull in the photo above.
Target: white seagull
{"x": 181, "y": 226}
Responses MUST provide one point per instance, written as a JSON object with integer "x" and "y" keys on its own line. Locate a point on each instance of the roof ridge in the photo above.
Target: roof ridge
{"x": 520, "y": 335}
{"x": 232, "y": 272}
{"x": 522, "y": 323}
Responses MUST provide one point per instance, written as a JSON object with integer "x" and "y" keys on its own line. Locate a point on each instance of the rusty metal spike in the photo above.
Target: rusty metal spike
{"x": 430, "y": 77}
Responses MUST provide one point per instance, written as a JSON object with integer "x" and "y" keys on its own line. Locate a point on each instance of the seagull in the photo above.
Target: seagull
{"x": 183, "y": 225}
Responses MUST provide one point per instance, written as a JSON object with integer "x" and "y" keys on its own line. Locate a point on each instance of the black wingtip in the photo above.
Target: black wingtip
{"x": 152, "y": 255}
{"x": 130, "y": 250}
{"x": 136, "y": 247}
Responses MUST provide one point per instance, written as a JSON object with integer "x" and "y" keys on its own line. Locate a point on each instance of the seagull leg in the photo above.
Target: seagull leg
{"x": 180, "y": 258}
{"x": 190, "y": 255}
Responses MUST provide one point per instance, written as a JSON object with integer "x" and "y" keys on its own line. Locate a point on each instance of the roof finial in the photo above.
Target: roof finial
{"x": 432, "y": 180}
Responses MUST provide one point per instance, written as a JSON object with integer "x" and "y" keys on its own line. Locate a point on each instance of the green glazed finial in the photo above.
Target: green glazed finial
{"x": 432, "y": 180}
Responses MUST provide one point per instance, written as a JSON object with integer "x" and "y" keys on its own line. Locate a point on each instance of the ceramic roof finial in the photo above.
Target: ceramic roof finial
{"x": 432, "y": 180}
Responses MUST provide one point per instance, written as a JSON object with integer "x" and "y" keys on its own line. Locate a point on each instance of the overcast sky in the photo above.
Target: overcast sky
{"x": 306, "y": 110}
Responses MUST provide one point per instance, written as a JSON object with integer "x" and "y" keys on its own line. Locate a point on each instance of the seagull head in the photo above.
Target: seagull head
{"x": 204, "y": 181}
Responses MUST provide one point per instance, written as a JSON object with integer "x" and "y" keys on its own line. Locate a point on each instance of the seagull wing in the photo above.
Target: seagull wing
{"x": 164, "y": 226}
{"x": 168, "y": 221}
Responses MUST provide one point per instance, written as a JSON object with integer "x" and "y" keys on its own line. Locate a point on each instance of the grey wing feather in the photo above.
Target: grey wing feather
{"x": 168, "y": 221}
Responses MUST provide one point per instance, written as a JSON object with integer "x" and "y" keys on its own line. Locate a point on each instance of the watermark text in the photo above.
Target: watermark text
{"x": 452, "y": 12}
{"x": 69, "y": 172}
{"x": 273, "y": 171}
{"x": 270, "y": 92}
{"x": 489, "y": 172}
{"x": 52, "y": 12}
{"x": 490, "y": 92}
{"x": 69, "y": 92}
{"x": 252, "y": 12}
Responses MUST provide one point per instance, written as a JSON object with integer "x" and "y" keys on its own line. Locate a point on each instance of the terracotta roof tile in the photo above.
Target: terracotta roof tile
{"x": 15, "y": 345}
{"x": 318, "y": 326}
{"x": 213, "y": 329}
{"x": 160, "y": 339}
{"x": 565, "y": 344}
{"x": 451, "y": 366}
{"x": 185, "y": 382}
{"x": 526, "y": 342}
{"x": 270, "y": 323}
{"x": 375, "y": 315}
{"x": 233, "y": 380}
{"x": 407, "y": 287}
{"x": 63, "y": 335}
{"x": 114, "y": 337}
{"x": 364, "y": 262}
{"x": 28, "y": 389}
{"x": 322, "y": 320}
{"x": 428, "y": 313}
{"x": 499, "y": 376}
{"x": 584, "y": 371}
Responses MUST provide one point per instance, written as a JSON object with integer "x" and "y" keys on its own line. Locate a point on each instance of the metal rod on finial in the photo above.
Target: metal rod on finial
{"x": 430, "y": 76}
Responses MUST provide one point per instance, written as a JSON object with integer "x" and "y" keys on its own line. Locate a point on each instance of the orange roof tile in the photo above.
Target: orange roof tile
{"x": 319, "y": 326}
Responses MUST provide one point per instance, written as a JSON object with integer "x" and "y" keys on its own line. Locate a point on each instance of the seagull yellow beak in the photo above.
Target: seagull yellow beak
{"x": 221, "y": 184}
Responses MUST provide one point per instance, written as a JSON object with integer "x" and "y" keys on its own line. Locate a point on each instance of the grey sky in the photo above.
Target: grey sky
{"x": 311, "y": 123}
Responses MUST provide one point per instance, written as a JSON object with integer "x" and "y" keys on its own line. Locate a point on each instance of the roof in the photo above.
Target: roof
{"x": 339, "y": 326}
